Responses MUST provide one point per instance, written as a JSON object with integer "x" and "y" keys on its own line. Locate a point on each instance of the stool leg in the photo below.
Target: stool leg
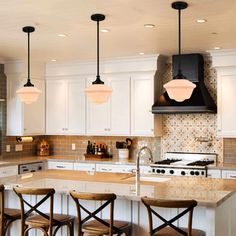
{"x": 71, "y": 228}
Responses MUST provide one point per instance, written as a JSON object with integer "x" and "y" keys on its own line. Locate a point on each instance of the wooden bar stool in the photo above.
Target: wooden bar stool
{"x": 167, "y": 228}
{"x": 99, "y": 226}
{"x": 7, "y": 215}
{"x": 42, "y": 221}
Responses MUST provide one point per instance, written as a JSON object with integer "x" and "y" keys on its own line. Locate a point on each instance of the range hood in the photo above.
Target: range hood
{"x": 200, "y": 102}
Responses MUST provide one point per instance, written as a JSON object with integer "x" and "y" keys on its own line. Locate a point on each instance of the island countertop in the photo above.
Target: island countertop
{"x": 207, "y": 192}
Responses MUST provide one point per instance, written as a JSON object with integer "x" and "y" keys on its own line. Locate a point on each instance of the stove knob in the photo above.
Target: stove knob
{"x": 203, "y": 173}
{"x": 182, "y": 172}
{"x": 153, "y": 170}
{"x": 40, "y": 168}
{"x": 191, "y": 172}
{"x": 172, "y": 172}
{"x": 163, "y": 171}
{"x": 158, "y": 171}
{"x": 196, "y": 172}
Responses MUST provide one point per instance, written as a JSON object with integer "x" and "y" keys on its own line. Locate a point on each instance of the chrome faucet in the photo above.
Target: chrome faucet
{"x": 138, "y": 160}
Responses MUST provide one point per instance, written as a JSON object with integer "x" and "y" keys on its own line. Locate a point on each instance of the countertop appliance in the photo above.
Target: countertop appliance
{"x": 30, "y": 167}
{"x": 184, "y": 164}
{"x": 200, "y": 101}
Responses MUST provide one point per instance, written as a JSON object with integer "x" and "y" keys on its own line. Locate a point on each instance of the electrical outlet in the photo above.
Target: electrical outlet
{"x": 8, "y": 148}
{"x": 18, "y": 147}
{"x": 73, "y": 147}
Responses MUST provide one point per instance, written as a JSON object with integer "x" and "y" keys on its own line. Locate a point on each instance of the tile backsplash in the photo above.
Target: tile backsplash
{"x": 181, "y": 133}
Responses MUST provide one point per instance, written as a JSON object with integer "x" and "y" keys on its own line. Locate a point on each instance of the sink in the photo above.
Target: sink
{"x": 150, "y": 178}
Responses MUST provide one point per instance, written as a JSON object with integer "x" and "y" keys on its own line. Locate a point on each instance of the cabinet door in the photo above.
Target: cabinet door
{"x": 34, "y": 114}
{"x": 120, "y": 105}
{"x": 98, "y": 116}
{"x": 8, "y": 171}
{"x": 142, "y": 96}
{"x": 60, "y": 165}
{"x": 215, "y": 174}
{"x": 226, "y": 107}
{"x": 55, "y": 107}
{"x": 228, "y": 174}
{"x": 75, "y": 107}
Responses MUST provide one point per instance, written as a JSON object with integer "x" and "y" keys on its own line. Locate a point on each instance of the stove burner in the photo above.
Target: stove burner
{"x": 200, "y": 163}
{"x": 167, "y": 161}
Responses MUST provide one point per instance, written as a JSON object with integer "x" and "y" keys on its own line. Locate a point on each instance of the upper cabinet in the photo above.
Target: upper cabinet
{"x": 142, "y": 97}
{"x": 24, "y": 119}
{"x": 65, "y": 106}
{"x": 127, "y": 113}
{"x": 113, "y": 117}
{"x": 224, "y": 61}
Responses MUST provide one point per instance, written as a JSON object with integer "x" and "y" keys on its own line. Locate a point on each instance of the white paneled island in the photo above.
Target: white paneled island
{"x": 214, "y": 213}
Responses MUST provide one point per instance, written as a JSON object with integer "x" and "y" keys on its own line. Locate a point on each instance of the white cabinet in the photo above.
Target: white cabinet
{"x": 8, "y": 171}
{"x": 226, "y": 108}
{"x": 84, "y": 166}
{"x": 215, "y": 174}
{"x": 113, "y": 117}
{"x": 24, "y": 119}
{"x": 65, "y": 103}
{"x": 60, "y": 165}
{"x": 115, "y": 168}
{"x": 142, "y": 98}
{"x": 228, "y": 174}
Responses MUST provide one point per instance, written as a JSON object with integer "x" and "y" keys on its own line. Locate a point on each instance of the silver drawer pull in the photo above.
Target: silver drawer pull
{"x": 232, "y": 176}
{"x": 61, "y": 167}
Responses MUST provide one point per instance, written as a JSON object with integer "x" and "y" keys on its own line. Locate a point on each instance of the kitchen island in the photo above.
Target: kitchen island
{"x": 214, "y": 213}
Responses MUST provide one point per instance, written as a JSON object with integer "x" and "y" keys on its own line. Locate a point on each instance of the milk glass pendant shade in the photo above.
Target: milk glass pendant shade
{"x": 28, "y": 93}
{"x": 98, "y": 92}
{"x": 180, "y": 88}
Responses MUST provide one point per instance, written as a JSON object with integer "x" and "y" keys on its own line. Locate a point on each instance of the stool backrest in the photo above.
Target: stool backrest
{"x": 109, "y": 199}
{"x": 2, "y": 209}
{"x": 47, "y": 193}
{"x": 188, "y": 205}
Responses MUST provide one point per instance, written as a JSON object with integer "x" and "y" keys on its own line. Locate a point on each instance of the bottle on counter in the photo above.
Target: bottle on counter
{"x": 88, "y": 150}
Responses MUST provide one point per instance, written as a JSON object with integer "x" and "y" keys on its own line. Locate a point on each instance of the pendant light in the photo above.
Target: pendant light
{"x": 179, "y": 88}
{"x": 28, "y": 93}
{"x": 98, "y": 92}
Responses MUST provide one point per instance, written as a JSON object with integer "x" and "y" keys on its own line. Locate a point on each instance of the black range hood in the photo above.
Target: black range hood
{"x": 200, "y": 102}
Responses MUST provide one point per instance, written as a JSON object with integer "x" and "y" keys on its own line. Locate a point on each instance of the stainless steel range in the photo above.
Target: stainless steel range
{"x": 184, "y": 164}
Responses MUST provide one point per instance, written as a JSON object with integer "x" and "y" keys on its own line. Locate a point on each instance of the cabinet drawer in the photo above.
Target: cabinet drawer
{"x": 115, "y": 168}
{"x": 229, "y": 174}
{"x": 84, "y": 166}
{"x": 60, "y": 165}
{"x": 214, "y": 174}
{"x": 8, "y": 171}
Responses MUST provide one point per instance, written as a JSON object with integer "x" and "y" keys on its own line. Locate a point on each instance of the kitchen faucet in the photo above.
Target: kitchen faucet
{"x": 138, "y": 160}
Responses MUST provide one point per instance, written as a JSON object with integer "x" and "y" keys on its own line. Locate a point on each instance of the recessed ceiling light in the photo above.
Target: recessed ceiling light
{"x": 217, "y": 48}
{"x": 141, "y": 53}
{"x": 62, "y": 35}
{"x": 149, "y": 26}
{"x": 53, "y": 60}
{"x": 201, "y": 20}
{"x": 105, "y": 30}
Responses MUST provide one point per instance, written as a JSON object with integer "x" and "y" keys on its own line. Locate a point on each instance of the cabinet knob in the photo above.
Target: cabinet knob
{"x": 105, "y": 129}
{"x": 152, "y": 130}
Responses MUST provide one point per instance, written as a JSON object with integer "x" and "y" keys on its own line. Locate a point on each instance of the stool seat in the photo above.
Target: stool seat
{"x": 12, "y": 213}
{"x": 40, "y": 221}
{"x": 171, "y": 232}
{"x": 98, "y": 228}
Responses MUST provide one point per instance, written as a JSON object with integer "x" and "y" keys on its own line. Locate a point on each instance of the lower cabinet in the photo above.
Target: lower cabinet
{"x": 84, "y": 166}
{"x": 8, "y": 171}
{"x": 214, "y": 174}
{"x": 228, "y": 174}
{"x": 115, "y": 168}
{"x": 60, "y": 165}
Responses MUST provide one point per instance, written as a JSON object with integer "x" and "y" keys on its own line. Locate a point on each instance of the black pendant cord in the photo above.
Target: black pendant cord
{"x": 28, "y": 84}
{"x": 98, "y": 80}
{"x": 179, "y": 11}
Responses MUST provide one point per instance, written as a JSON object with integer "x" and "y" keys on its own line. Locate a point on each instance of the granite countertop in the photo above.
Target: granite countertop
{"x": 30, "y": 159}
{"x": 208, "y": 192}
